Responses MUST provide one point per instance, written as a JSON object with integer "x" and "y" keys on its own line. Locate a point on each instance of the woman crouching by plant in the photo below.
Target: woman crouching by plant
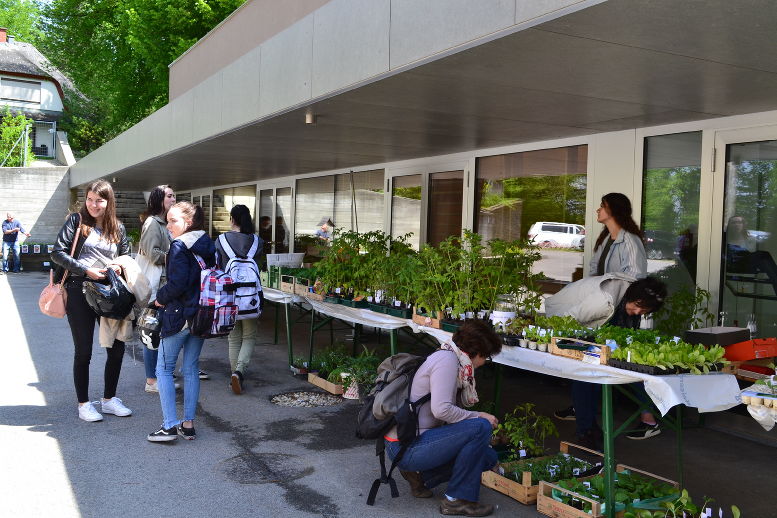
{"x": 453, "y": 443}
{"x": 180, "y": 298}
{"x": 101, "y": 239}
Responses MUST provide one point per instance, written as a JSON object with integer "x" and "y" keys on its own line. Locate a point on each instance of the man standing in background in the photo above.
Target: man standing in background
{"x": 11, "y": 229}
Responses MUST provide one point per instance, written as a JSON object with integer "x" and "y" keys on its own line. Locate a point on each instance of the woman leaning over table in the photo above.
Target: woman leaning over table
{"x": 101, "y": 240}
{"x": 453, "y": 444}
{"x": 180, "y": 298}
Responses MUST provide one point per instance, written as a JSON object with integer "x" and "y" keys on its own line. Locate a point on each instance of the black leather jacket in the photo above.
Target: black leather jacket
{"x": 61, "y": 254}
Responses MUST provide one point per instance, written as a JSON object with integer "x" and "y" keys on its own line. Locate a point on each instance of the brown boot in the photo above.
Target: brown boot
{"x": 464, "y": 508}
{"x": 417, "y": 486}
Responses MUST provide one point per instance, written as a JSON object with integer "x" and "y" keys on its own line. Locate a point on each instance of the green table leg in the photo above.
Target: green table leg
{"x": 277, "y": 311}
{"x": 393, "y": 336}
{"x": 312, "y": 331}
{"x": 288, "y": 333}
{"x": 679, "y": 414}
{"x": 609, "y": 451}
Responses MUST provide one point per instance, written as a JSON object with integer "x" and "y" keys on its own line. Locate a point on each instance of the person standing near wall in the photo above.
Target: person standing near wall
{"x": 11, "y": 230}
{"x": 102, "y": 239}
{"x": 152, "y": 254}
{"x": 242, "y": 339}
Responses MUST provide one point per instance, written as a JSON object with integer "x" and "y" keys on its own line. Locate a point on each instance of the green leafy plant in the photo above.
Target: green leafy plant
{"x": 684, "y": 309}
{"x": 12, "y": 150}
{"x": 550, "y": 469}
{"x": 630, "y": 488}
{"x": 526, "y": 430}
{"x": 682, "y": 507}
{"x": 697, "y": 359}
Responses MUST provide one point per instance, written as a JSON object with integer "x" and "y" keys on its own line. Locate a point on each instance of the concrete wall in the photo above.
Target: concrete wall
{"x": 341, "y": 45}
{"x": 38, "y": 197}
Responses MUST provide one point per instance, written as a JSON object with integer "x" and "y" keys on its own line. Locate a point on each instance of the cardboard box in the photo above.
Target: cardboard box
{"x": 717, "y": 335}
{"x": 330, "y": 387}
{"x": 426, "y": 320}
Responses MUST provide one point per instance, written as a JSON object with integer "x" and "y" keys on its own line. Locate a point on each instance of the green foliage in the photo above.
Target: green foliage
{"x": 629, "y": 487}
{"x": 22, "y": 19}
{"x": 684, "y": 309}
{"x": 682, "y": 507}
{"x": 550, "y": 469}
{"x": 325, "y": 361}
{"x": 11, "y": 128}
{"x": 668, "y": 355}
{"x": 527, "y": 430}
{"x": 118, "y": 52}
{"x": 362, "y": 369}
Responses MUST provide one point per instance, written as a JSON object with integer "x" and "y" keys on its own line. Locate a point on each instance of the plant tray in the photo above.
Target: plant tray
{"x": 510, "y": 340}
{"x": 575, "y": 349}
{"x": 423, "y": 319}
{"x": 332, "y": 300}
{"x": 522, "y": 491}
{"x": 451, "y": 327}
{"x": 377, "y": 308}
{"x": 399, "y": 312}
{"x": 549, "y": 506}
{"x": 353, "y": 303}
{"x": 330, "y": 387}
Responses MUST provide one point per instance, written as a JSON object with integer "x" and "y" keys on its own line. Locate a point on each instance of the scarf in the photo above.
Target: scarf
{"x": 465, "y": 381}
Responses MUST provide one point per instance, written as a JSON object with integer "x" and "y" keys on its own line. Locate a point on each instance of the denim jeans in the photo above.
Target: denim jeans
{"x": 585, "y": 398}
{"x": 149, "y": 362}
{"x": 17, "y": 258}
{"x": 190, "y": 366}
{"x": 457, "y": 453}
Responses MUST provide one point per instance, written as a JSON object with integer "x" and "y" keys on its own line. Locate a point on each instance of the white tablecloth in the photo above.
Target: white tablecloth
{"x": 708, "y": 393}
{"x": 274, "y": 295}
{"x": 358, "y": 315}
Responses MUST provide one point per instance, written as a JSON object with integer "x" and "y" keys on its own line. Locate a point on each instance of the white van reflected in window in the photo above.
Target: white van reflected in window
{"x": 557, "y": 235}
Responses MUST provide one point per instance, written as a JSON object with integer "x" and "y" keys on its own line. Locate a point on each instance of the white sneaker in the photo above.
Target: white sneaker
{"x": 87, "y": 412}
{"x": 116, "y": 407}
{"x": 154, "y": 388}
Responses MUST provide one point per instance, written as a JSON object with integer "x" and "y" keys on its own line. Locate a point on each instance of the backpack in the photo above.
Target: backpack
{"x": 216, "y": 313}
{"x": 245, "y": 276}
{"x": 388, "y": 404}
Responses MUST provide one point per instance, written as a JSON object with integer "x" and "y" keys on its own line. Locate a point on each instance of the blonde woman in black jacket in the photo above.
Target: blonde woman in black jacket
{"x": 101, "y": 240}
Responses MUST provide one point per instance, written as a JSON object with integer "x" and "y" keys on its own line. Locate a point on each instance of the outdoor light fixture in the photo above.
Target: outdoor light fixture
{"x": 310, "y": 118}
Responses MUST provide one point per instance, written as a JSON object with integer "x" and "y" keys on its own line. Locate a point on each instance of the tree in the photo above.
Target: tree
{"x": 117, "y": 52}
{"x": 11, "y": 143}
{"x": 22, "y": 19}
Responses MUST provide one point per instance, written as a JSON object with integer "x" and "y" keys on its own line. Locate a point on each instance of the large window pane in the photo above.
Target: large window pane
{"x": 670, "y": 205}
{"x": 265, "y": 224}
{"x": 446, "y": 191}
{"x": 315, "y": 202}
{"x": 539, "y": 195}
{"x": 282, "y": 219}
{"x": 749, "y": 274}
{"x": 406, "y": 208}
{"x": 368, "y": 200}
{"x": 225, "y": 199}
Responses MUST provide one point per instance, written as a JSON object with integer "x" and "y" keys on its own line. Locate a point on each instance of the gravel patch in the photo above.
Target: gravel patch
{"x": 306, "y": 399}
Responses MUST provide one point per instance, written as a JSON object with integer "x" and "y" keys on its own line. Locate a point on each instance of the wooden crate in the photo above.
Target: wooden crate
{"x": 287, "y": 283}
{"x": 548, "y": 506}
{"x": 523, "y": 491}
{"x": 604, "y": 356}
{"x": 424, "y": 320}
{"x": 301, "y": 287}
{"x": 330, "y": 387}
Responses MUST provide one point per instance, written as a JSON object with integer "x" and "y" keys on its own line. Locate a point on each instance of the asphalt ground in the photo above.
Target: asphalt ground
{"x": 253, "y": 458}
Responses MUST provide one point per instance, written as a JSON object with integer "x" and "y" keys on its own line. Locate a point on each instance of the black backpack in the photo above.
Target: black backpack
{"x": 387, "y": 405}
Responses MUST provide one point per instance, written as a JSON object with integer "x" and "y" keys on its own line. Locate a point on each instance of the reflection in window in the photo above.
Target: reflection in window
{"x": 670, "y": 205}
{"x": 749, "y": 274}
{"x": 282, "y": 221}
{"x": 183, "y": 196}
{"x": 406, "y": 208}
{"x": 205, "y": 203}
{"x": 446, "y": 191}
{"x": 265, "y": 224}
{"x": 225, "y": 199}
{"x": 539, "y": 195}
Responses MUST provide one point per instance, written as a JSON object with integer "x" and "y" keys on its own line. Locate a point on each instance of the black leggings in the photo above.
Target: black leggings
{"x": 82, "y": 319}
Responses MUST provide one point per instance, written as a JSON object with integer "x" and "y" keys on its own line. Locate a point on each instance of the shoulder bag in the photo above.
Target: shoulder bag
{"x": 53, "y": 298}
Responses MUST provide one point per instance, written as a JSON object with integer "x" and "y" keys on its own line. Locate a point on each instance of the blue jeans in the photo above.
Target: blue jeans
{"x": 149, "y": 361}
{"x": 585, "y": 398}
{"x": 17, "y": 258}
{"x": 168, "y": 354}
{"x": 457, "y": 453}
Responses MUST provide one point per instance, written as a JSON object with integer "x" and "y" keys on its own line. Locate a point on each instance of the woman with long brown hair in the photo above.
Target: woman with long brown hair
{"x": 619, "y": 247}
{"x": 102, "y": 238}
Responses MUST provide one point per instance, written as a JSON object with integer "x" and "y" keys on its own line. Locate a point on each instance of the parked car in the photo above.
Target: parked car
{"x": 559, "y": 235}
{"x": 660, "y": 244}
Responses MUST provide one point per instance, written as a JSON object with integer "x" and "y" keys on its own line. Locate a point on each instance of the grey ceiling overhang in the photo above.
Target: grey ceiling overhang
{"x": 617, "y": 65}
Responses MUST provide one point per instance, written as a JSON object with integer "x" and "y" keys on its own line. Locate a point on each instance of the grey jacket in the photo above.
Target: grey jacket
{"x": 627, "y": 255}
{"x": 591, "y": 301}
{"x": 155, "y": 240}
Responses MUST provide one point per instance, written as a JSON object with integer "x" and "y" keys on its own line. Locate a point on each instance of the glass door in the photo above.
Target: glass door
{"x": 274, "y": 209}
{"x": 745, "y": 275}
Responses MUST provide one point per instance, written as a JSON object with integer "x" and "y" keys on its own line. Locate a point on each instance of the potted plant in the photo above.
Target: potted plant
{"x": 525, "y": 431}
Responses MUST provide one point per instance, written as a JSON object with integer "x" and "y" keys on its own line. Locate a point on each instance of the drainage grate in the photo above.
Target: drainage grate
{"x": 306, "y": 399}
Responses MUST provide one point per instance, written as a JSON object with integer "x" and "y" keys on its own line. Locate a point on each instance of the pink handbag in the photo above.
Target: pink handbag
{"x": 53, "y": 298}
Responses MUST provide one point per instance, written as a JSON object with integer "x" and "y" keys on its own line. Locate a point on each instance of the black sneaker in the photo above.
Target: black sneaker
{"x": 187, "y": 433}
{"x": 644, "y": 431}
{"x": 568, "y": 414}
{"x": 164, "y": 434}
{"x": 237, "y": 382}
{"x": 204, "y": 375}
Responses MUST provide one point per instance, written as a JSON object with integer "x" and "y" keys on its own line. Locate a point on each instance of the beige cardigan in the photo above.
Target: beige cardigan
{"x": 112, "y": 329}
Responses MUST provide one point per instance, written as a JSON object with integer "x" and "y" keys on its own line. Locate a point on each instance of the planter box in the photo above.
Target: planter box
{"x": 549, "y": 506}
{"x": 655, "y": 371}
{"x": 301, "y": 287}
{"x": 578, "y": 350}
{"x": 450, "y": 326}
{"x": 523, "y": 491}
{"x": 287, "y": 283}
{"x": 330, "y": 387}
{"x": 353, "y": 303}
{"x": 422, "y": 319}
{"x": 332, "y": 299}
{"x": 399, "y": 312}
{"x": 377, "y": 308}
